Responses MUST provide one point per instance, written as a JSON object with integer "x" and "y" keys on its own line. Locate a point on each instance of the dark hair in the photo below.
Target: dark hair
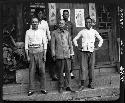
{"x": 65, "y": 11}
{"x": 37, "y": 10}
{"x": 33, "y": 18}
{"x": 88, "y": 18}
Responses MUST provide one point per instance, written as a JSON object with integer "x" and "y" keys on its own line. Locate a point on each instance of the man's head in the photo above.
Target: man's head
{"x": 39, "y": 13}
{"x": 35, "y": 23}
{"x": 88, "y": 22}
{"x": 65, "y": 15}
{"x": 61, "y": 23}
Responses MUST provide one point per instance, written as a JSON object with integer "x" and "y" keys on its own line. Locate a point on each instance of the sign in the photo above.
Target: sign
{"x": 92, "y": 13}
{"x": 79, "y": 18}
{"x": 61, "y": 12}
{"x": 52, "y": 13}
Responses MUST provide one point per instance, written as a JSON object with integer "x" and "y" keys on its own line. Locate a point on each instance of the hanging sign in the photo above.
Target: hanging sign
{"x": 92, "y": 13}
{"x": 52, "y": 13}
{"x": 79, "y": 18}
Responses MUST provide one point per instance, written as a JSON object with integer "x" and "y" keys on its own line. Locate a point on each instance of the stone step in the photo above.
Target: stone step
{"x": 100, "y": 93}
{"x": 103, "y": 79}
{"x": 22, "y": 76}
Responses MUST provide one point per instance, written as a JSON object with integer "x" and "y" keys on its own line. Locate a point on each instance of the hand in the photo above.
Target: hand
{"x": 28, "y": 58}
{"x": 71, "y": 57}
{"x": 76, "y": 46}
{"x": 96, "y": 48}
{"x": 54, "y": 58}
{"x": 44, "y": 58}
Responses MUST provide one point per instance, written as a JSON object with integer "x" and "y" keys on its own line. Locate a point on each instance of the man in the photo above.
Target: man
{"x": 35, "y": 47}
{"x": 44, "y": 25}
{"x": 69, "y": 27}
{"x": 62, "y": 51}
{"x": 88, "y": 39}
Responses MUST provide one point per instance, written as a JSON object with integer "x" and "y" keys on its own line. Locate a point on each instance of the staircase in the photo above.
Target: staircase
{"x": 107, "y": 84}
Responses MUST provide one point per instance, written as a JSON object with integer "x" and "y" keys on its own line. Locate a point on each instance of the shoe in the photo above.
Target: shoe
{"x": 63, "y": 74}
{"x": 69, "y": 89}
{"x": 60, "y": 90}
{"x": 43, "y": 91}
{"x": 55, "y": 78}
{"x": 81, "y": 88}
{"x": 90, "y": 86}
{"x": 30, "y": 93}
{"x": 72, "y": 77}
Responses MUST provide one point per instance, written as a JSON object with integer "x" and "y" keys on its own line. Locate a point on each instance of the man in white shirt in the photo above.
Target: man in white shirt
{"x": 88, "y": 39}
{"x": 39, "y": 13}
{"x": 35, "y": 47}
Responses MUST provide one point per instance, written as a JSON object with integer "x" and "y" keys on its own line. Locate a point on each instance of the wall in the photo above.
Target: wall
{"x": 72, "y": 7}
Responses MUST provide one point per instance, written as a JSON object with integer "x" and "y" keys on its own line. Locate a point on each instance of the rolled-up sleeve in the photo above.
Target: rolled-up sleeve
{"x": 26, "y": 40}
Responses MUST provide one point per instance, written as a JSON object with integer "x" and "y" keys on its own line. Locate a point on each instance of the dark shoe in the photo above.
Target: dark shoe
{"x": 69, "y": 89}
{"x": 60, "y": 90}
{"x": 90, "y": 86}
{"x": 30, "y": 93}
{"x": 81, "y": 88}
{"x": 43, "y": 91}
{"x": 54, "y": 78}
{"x": 72, "y": 77}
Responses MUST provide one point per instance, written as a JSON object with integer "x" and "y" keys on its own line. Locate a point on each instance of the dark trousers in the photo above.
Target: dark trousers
{"x": 63, "y": 65}
{"x": 87, "y": 65}
{"x": 53, "y": 69}
{"x": 36, "y": 60}
{"x": 50, "y": 63}
{"x": 72, "y": 65}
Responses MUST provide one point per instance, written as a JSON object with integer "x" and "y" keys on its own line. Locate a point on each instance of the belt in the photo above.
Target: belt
{"x": 34, "y": 46}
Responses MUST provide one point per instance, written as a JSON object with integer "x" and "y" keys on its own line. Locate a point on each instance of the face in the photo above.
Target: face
{"x": 35, "y": 23}
{"x": 65, "y": 15}
{"x": 88, "y": 23}
{"x": 61, "y": 24}
{"x": 40, "y": 15}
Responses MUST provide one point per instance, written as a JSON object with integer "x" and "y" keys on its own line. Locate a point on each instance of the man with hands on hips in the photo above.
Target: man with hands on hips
{"x": 88, "y": 40}
{"x": 62, "y": 51}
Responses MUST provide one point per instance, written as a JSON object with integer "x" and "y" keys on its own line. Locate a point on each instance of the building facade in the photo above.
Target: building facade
{"x": 105, "y": 21}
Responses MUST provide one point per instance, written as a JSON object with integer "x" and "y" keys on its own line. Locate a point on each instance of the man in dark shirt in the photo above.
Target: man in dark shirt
{"x": 62, "y": 51}
{"x": 69, "y": 27}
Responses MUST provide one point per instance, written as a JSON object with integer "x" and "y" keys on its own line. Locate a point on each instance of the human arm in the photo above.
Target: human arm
{"x": 76, "y": 38}
{"x": 99, "y": 38}
{"x": 53, "y": 40}
{"x": 44, "y": 47}
{"x": 26, "y": 46}
{"x": 48, "y": 32}
{"x": 70, "y": 45}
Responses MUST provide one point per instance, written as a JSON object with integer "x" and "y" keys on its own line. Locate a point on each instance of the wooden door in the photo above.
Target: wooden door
{"x": 104, "y": 54}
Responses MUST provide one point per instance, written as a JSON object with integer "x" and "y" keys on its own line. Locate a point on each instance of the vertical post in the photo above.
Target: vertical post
{"x": 19, "y": 22}
{"x": 114, "y": 32}
{"x": 1, "y": 55}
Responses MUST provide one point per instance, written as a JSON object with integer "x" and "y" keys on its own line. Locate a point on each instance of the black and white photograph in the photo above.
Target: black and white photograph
{"x": 62, "y": 51}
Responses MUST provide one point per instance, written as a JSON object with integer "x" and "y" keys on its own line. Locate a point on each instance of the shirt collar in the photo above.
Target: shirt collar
{"x": 40, "y": 21}
{"x": 89, "y": 29}
{"x": 61, "y": 31}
